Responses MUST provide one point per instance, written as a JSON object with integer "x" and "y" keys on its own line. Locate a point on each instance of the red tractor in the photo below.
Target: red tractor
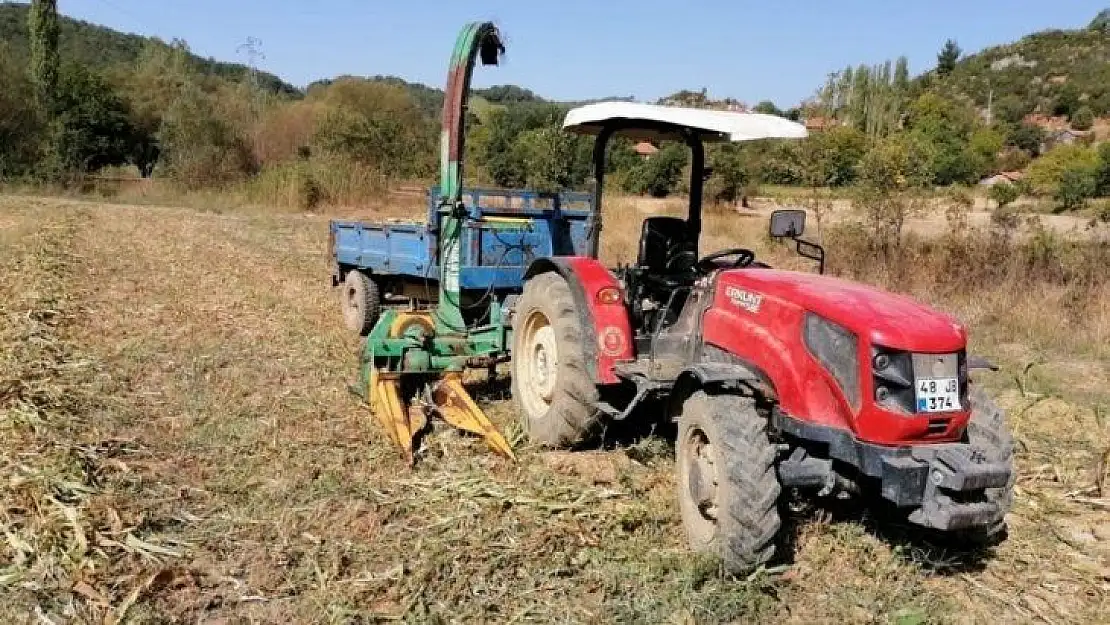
{"x": 776, "y": 379}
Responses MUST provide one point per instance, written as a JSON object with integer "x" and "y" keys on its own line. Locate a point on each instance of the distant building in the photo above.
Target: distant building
{"x": 1008, "y": 177}
{"x": 1067, "y": 136}
{"x": 818, "y": 123}
{"x": 1047, "y": 122}
{"x": 645, "y": 150}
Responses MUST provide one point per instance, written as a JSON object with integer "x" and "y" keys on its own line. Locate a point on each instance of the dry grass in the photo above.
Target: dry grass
{"x": 186, "y": 372}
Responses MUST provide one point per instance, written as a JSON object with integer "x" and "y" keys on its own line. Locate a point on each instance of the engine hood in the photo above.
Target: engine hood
{"x": 884, "y": 318}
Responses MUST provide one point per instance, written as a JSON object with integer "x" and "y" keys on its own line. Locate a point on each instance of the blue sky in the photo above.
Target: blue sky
{"x": 579, "y": 49}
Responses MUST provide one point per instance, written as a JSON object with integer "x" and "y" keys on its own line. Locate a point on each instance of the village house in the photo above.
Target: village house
{"x": 645, "y": 149}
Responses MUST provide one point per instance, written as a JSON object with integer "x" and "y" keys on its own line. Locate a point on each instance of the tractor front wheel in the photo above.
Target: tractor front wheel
{"x": 551, "y": 388}
{"x": 361, "y": 302}
{"x": 728, "y": 487}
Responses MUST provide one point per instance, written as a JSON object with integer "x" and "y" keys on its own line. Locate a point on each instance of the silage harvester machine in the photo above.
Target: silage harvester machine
{"x": 459, "y": 270}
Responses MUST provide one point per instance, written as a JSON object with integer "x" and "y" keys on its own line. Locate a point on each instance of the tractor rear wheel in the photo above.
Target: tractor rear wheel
{"x": 987, "y": 430}
{"x": 361, "y": 302}
{"x": 728, "y": 487}
{"x": 551, "y": 387}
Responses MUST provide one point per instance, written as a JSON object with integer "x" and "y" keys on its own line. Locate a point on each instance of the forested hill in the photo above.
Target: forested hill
{"x": 430, "y": 99}
{"x": 102, "y": 48}
{"x": 1053, "y": 72}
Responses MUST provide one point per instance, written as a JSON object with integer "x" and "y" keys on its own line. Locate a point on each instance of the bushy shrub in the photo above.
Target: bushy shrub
{"x": 378, "y": 125}
{"x": 1045, "y": 175}
{"x": 1003, "y": 194}
{"x": 659, "y": 175}
{"x": 1083, "y": 118}
{"x": 20, "y": 123}
{"x": 1076, "y": 186}
{"x": 199, "y": 147}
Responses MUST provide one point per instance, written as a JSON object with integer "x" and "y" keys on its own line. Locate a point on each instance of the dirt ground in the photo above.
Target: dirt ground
{"x": 189, "y": 452}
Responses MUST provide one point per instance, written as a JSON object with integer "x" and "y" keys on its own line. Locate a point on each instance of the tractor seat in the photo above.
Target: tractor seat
{"x": 662, "y": 239}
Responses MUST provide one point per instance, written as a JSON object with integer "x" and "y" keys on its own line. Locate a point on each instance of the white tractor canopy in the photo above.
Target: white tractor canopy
{"x": 652, "y": 122}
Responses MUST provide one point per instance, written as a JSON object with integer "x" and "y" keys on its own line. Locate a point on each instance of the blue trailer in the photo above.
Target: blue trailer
{"x": 502, "y": 233}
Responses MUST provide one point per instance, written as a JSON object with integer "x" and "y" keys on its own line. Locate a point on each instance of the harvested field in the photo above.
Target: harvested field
{"x": 178, "y": 444}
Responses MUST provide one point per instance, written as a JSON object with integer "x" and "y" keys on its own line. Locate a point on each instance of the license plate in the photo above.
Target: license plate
{"x": 938, "y": 394}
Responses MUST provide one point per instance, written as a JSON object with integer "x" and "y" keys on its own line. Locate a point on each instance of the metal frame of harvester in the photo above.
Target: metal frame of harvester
{"x": 414, "y": 359}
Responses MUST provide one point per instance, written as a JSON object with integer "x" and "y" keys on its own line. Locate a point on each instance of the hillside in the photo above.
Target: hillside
{"x": 1049, "y": 72}
{"x": 99, "y": 47}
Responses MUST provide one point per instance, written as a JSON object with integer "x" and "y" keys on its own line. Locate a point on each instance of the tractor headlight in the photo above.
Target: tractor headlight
{"x": 837, "y": 349}
{"x": 892, "y": 372}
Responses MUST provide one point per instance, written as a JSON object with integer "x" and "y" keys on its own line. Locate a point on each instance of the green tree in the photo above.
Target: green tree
{"x": 1066, "y": 100}
{"x": 659, "y": 175}
{"x": 548, "y": 158}
{"x": 1077, "y": 185}
{"x": 1011, "y": 109}
{"x": 20, "y": 124}
{"x": 947, "y": 125}
{"x": 780, "y": 162}
{"x": 948, "y": 57}
{"x": 1101, "y": 21}
{"x": 730, "y": 175}
{"x": 891, "y": 175}
{"x": 831, "y": 157}
{"x": 867, "y": 97}
{"x": 162, "y": 73}
{"x": 1046, "y": 174}
{"x": 200, "y": 148}
{"x": 1102, "y": 171}
{"x": 1013, "y": 160}
{"x": 898, "y": 163}
{"x": 379, "y": 125}
{"x": 1083, "y": 119}
{"x": 1004, "y": 194}
{"x": 1027, "y": 137}
{"x": 767, "y": 107}
{"x": 42, "y": 23}
{"x": 91, "y": 126}
{"x": 902, "y": 74}
{"x": 986, "y": 143}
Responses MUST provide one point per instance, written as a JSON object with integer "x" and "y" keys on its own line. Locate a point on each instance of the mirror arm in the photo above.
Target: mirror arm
{"x": 812, "y": 251}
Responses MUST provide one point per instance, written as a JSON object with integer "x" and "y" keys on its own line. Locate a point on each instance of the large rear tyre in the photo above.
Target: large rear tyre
{"x": 728, "y": 487}
{"x": 987, "y": 430}
{"x": 361, "y": 302}
{"x": 551, "y": 388}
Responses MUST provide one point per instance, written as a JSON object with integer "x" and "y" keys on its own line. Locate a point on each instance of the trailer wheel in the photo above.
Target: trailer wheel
{"x": 551, "y": 388}
{"x": 728, "y": 488}
{"x": 361, "y": 302}
{"x": 987, "y": 430}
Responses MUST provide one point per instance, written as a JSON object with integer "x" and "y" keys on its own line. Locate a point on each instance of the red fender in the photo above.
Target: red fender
{"x": 609, "y": 337}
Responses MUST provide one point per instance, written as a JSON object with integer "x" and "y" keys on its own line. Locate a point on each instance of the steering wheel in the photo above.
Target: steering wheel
{"x": 744, "y": 258}
{"x": 679, "y": 259}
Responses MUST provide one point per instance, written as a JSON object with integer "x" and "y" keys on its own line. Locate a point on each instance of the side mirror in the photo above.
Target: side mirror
{"x": 788, "y": 223}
